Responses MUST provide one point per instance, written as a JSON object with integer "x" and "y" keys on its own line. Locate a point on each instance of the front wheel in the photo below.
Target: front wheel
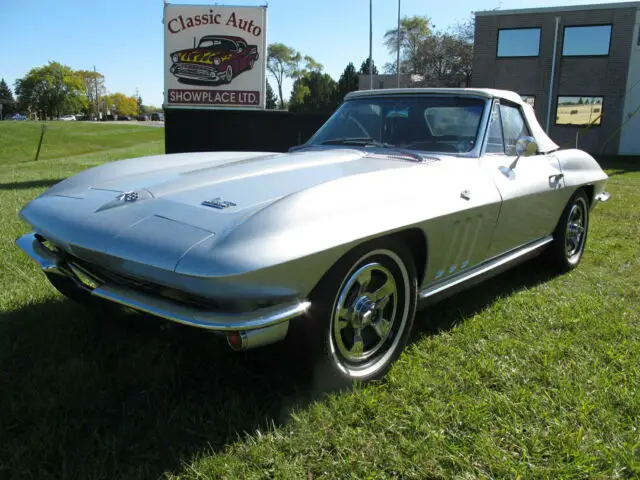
{"x": 570, "y": 236}
{"x": 361, "y": 315}
{"x": 228, "y": 74}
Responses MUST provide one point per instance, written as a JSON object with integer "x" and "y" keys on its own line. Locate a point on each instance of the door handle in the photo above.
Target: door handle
{"x": 556, "y": 177}
{"x": 466, "y": 194}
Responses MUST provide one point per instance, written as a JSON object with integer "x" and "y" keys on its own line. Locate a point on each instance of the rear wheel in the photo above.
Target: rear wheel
{"x": 570, "y": 236}
{"x": 361, "y": 315}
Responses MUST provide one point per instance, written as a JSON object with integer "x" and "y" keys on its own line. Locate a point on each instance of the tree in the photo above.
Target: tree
{"x": 51, "y": 91}
{"x": 348, "y": 81}
{"x": 271, "y": 102}
{"x": 139, "y": 103}
{"x": 413, "y": 32}
{"x": 447, "y": 61}
{"x": 93, "y": 90}
{"x": 314, "y": 92}
{"x": 364, "y": 68}
{"x": 6, "y": 99}
{"x": 282, "y": 62}
{"x": 120, "y": 104}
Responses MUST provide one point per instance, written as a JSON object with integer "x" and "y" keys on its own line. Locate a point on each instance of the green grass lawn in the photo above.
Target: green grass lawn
{"x": 527, "y": 376}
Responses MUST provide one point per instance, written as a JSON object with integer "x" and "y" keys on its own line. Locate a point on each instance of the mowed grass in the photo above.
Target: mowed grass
{"x": 530, "y": 375}
{"x": 19, "y": 140}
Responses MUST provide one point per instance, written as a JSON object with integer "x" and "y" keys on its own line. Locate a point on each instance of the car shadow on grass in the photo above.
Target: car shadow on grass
{"x": 30, "y": 184}
{"x": 84, "y": 398}
{"x": 454, "y": 310}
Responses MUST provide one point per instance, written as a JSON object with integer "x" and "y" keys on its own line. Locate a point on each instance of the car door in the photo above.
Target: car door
{"x": 529, "y": 186}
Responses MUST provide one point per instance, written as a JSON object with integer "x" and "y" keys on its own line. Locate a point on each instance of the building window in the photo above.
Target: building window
{"x": 519, "y": 42}
{"x": 529, "y": 99}
{"x": 579, "y": 111}
{"x": 586, "y": 41}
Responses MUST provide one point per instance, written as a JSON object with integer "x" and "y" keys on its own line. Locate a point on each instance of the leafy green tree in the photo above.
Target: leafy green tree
{"x": 51, "y": 90}
{"x": 93, "y": 90}
{"x": 413, "y": 32}
{"x": 314, "y": 92}
{"x": 282, "y": 62}
{"x": 6, "y": 99}
{"x": 365, "y": 67}
{"x": 271, "y": 102}
{"x": 348, "y": 81}
{"x": 121, "y": 104}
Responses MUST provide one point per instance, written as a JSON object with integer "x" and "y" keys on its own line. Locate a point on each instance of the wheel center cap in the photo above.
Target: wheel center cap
{"x": 363, "y": 312}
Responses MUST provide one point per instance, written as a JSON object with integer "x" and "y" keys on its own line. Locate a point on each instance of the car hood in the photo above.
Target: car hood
{"x": 201, "y": 55}
{"x": 153, "y": 210}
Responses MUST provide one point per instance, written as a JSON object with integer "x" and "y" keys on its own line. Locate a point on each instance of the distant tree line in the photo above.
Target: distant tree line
{"x": 53, "y": 90}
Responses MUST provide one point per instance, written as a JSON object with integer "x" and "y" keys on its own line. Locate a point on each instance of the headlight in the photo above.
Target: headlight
{"x": 216, "y": 61}
{"x": 175, "y": 57}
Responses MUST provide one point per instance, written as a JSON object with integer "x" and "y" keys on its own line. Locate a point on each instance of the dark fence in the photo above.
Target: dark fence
{"x": 237, "y": 130}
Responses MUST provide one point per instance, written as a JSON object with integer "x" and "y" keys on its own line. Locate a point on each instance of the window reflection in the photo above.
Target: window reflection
{"x": 579, "y": 111}
{"x": 521, "y": 42}
{"x": 593, "y": 40}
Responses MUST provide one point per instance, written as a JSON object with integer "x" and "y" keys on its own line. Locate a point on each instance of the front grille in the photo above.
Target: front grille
{"x": 192, "y": 69}
{"x": 143, "y": 286}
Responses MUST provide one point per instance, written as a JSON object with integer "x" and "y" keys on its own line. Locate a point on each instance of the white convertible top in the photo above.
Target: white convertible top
{"x": 545, "y": 144}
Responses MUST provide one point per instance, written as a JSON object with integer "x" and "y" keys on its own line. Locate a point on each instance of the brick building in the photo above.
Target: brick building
{"x": 579, "y": 66}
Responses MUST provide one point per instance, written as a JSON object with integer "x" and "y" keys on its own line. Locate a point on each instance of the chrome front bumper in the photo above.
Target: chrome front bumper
{"x": 258, "y": 327}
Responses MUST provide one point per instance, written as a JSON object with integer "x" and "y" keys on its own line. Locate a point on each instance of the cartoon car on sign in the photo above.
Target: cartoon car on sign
{"x": 217, "y": 58}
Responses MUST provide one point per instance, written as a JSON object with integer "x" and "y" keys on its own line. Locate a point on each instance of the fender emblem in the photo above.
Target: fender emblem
{"x": 218, "y": 203}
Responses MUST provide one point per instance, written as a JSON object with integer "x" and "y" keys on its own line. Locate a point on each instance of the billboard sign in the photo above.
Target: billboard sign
{"x": 214, "y": 56}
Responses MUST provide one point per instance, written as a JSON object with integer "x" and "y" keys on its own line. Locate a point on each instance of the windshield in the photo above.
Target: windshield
{"x": 217, "y": 43}
{"x": 428, "y": 122}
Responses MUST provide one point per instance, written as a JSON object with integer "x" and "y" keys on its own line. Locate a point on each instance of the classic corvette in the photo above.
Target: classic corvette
{"x": 217, "y": 58}
{"x": 400, "y": 198}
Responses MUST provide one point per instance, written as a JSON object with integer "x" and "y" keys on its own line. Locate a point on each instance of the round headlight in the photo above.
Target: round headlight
{"x": 175, "y": 57}
{"x": 216, "y": 61}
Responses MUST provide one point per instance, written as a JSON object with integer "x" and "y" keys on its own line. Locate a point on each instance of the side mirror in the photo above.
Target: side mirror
{"x": 525, "y": 147}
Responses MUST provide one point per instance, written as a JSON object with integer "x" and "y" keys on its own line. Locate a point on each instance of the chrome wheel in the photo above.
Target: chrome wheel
{"x": 576, "y": 228}
{"x": 228, "y": 74}
{"x": 369, "y": 313}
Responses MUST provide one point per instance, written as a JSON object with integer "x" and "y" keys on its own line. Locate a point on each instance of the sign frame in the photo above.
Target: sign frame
{"x": 262, "y": 91}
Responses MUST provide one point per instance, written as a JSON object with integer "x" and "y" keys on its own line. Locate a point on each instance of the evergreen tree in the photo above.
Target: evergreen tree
{"x": 364, "y": 68}
{"x": 348, "y": 81}
{"x": 271, "y": 100}
{"x": 6, "y": 98}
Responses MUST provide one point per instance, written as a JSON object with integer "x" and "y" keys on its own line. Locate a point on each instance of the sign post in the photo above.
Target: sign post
{"x": 214, "y": 56}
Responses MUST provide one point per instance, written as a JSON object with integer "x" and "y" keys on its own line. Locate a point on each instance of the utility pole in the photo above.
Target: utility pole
{"x": 370, "y": 44}
{"x": 398, "y": 52}
{"x": 95, "y": 84}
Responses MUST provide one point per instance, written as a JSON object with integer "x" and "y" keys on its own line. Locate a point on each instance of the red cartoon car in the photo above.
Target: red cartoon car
{"x": 217, "y": 58}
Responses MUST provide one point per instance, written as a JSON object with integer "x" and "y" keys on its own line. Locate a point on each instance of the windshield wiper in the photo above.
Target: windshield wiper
{"x": 359, "y": 141}
{"x": 371, "y": 142}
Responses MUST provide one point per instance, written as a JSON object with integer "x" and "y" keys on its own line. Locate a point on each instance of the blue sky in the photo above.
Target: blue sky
{"x": 124, "y": 38}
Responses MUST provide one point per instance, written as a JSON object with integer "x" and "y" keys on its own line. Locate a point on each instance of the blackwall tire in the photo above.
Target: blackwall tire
{"x": 570, "y": 236}
{"x": 361, "y": 315}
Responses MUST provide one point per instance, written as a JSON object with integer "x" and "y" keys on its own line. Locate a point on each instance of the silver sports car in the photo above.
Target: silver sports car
{"x": 402, "y": 197}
